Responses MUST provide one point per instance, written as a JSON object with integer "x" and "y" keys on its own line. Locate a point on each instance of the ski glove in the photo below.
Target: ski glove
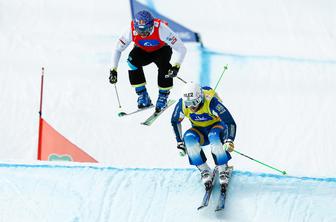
{"x": 229, "y": 146}
{"x": 172, "y": 72}
{"x": 182, "y": 149}
{"x": 113, "y": 76}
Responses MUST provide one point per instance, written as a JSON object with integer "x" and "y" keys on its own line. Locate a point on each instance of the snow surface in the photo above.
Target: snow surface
{"x": 280, "y": 87}
{"x": 97, "y": 193}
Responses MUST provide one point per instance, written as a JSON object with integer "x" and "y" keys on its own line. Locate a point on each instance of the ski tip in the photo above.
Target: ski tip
{"x": 219, "y": 209}
{"x": 201, "y": 207}
{"x": 284, "y": 173}
{"x": 120, "y": 114}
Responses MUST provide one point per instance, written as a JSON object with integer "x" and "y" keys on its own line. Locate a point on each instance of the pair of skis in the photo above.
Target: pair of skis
{"x": 222, "y": 195}
{"x": 151, "y": 119}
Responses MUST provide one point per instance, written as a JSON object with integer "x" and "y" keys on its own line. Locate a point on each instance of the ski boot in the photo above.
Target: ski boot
{"x": 143, "y": 99}
{"x": 161, "y": 102}
{"x": 207, "y": 178}
{"x": 224, "y": 176}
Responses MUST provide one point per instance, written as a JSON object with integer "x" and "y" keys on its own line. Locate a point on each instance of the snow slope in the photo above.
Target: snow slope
{"x": 96, "y": 193}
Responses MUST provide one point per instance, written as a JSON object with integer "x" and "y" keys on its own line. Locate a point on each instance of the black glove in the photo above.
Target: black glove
{"x": 182, "y": 149}
{"x": 172, "y": 72}
{"x": 113, "y": 76}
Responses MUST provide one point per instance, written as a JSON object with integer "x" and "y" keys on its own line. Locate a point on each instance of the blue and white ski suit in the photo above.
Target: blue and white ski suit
{"x": 211, "y": 124}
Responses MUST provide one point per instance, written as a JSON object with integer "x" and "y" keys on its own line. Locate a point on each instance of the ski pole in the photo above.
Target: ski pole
{"x": 115, "y": 87}
{"x": 168, "y": 76}
{"x": 181, "y": 79}
{"x": 120, "y": 113}
{"x": 281, "y": 171}
{"x": 225, "y": 68}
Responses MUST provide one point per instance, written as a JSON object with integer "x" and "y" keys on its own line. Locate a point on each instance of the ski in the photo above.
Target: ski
{"x": 150, "y": 120}
{"x": 221, "y": 200}
{"x": 222, "y": 195}
{"x": 206, "y": 198}
{"x": 121, "y": 114}
{"x": 208, "y": 191}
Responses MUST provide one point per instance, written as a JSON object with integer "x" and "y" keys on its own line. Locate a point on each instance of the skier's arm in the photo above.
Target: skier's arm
{"x": 171, "y": 38}
{"x": 123, "y": 41}
{"x": 177, "y": 118}
{"x": 218, "y": 109}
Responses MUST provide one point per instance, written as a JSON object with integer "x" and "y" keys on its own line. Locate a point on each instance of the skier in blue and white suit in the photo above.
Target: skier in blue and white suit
{"x": 211, "y": 124}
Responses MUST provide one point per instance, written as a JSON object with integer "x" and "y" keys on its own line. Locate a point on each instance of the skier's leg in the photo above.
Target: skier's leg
{"x": 215, "y": 138}
{"x": 161, "y": 59}
{"x": 136, "y": 60}
{"x": 193, "y": 140}
{"x": 220, "y": 155}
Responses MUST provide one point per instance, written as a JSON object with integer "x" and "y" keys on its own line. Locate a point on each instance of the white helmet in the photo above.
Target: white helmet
{"x": 192, "y": 95}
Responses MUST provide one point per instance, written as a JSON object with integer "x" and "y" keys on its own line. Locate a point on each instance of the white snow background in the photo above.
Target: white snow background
{"x": 280, "y": 87}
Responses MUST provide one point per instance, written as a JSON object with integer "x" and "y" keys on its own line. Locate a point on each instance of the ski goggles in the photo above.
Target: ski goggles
{"x": 193, "y": 103}
{"x": 144, "y": 30}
